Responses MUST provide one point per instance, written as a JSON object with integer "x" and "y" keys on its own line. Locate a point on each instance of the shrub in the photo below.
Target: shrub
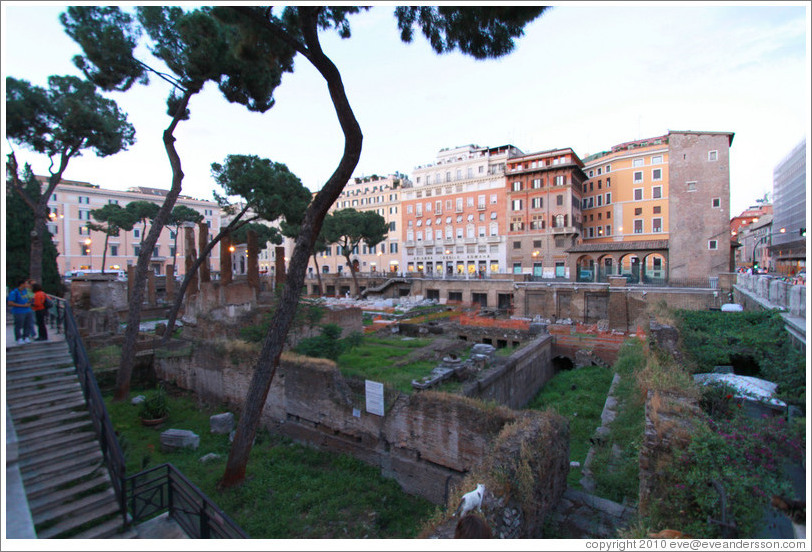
{"x": 155, "y": 406}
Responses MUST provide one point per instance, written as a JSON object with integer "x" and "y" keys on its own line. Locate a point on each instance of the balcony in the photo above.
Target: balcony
{"x": 494, "y": 239}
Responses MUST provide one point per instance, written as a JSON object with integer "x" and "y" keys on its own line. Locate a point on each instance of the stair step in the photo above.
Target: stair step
{"x": 48, "y": 500}
{"x": 50, "y": 471}
{"x": 39, "y": 488}
{"x": 40, "y": 374}
{"x": 34, "y": 461}
{"x": 57, "y": 440}
{"x": 40, "y": 390}
{"x": 44, "y": 422}
{"x": 49, "y": 404}
{"x": 38, "y": 349}
{"x": 112, "y": 529}
{"x": 50, "y": 380}
{"x": 85, "y": 503}
{"x": 73, "y": 522}
{"x": 28, "y": 441}
{"x": 21, "y": 366}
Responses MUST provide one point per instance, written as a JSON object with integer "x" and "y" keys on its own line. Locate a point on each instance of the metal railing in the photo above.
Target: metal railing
{"x": 111, "y": 449}
{"x": 163, "y": 488}
{"x": 149, "y": 492}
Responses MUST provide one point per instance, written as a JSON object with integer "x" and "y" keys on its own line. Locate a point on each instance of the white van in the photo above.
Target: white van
{"x": 121, "y": 275}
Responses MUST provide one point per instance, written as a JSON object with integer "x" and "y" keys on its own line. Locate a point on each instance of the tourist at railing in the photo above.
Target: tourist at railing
{"x": 40, "y": 306}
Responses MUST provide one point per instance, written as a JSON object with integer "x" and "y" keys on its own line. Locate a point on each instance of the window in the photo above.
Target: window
{"x": 657, "y": 209}
{"x": 493, "y": 199}
{"x": 112, "y": 201}
{"x": 712, "y": 245}
{"x": 494, "y": 229}
{"x": 690, "y": 186}
{"x": 657, "y": 192}
{"x": 657, "y": 225}
{"x": 136, "y": 250}
{"x": 537, "y": 223}
{"x": 657, "y": 174}
{"x": 608, "y": 168}
{"x": 438, "y": 207}
{"x": 480, "y": 202}
{"x": 517, "y": 186}
{"x": 608, "y": 182}
{"x": 713, "y": 155}
{"x": 448, "y": 176}
{"x": 114, "y": 251}
{"x": 84, "y": 231}
{"x": 599, "y": 171}
{"x": 493, "y": 216}
{"x": 536, "y": 183}
{"x": 559, "y": 199}
{"x": 608, "y": 198}
{"x": 447, "y": 204}
{"x": 716, "y": 202}
{"x": 608, "y": 214}
{"x": 410, "y": 223}
{"x": 600, "y": 200}
{"x": 393, "y": 247}
{"x": 537, "y": 202}
{"x": 638, "y": 177}
{"x": 517, "y": 245}
{"x": 84, "y": 214}
{"x": 591, "y": 174}
{"x": 469, "y": 202}
{"x": 136, "y": 233}
{"x": 638, "y": 194}
{"x": 459, "y": 233}
{"x": 560, "y": 180}
{"x": 84, "y": 200}
{"x": 409, "y": 209}
{"x": 85, "y": 249}
{"x": 559, "y": 221}
{"x": 418, "y": 210}
{"x": 638, "y": 226}
{"x": 516, "y": 204}
{"x": 392, "y": 226}
{"x": 657, "y": 160}
{"x": 419, "y": 236}
{"x": 639, "y": 162}
{"x": 638, "y": 211}
{"x": 409, "y": 235}
{"x": 428, "y": 206}
{"x": 470, "y": 172}
{"x": 459, "y": 174}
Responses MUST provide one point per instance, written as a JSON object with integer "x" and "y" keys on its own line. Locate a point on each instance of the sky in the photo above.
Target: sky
{"x": 585, "y": 75}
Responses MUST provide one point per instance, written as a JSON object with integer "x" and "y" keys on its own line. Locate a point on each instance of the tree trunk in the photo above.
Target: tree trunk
{"x": 352, "y": 273}
{"x": 318, "y": 273}
{"x": 268, "y": 361}
{"x": 134, "y": 315}
{"x": 104, "y": 252}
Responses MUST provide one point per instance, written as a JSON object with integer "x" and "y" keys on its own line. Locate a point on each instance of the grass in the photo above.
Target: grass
{"x": 382, "y": 359}
{"x": 105, "y": 357}
{"x": 291, "y": 491}
{"x": 579, "y": 396}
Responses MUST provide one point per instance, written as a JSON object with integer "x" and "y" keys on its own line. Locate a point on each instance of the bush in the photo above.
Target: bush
{"x": 326, "y": 345}
{"x": 155, "y": 406}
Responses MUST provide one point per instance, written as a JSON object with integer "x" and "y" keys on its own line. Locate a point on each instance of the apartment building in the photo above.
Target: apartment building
{"x": 381, "y": 194}
{"x": 788, "y": 248}
{"x": 636, "y": 192}
{"x": 70, "y": 207}
{"x": 454, "y": 216}
{"x": 544, "y": 191}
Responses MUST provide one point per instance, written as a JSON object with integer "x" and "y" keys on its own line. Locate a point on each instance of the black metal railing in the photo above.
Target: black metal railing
{"x": 111, "y": 449}
{"x": 151, "y": 492}
{"x": 164, "y": 488}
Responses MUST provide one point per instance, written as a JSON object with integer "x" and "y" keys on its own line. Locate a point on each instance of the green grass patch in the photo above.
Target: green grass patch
{"x": 579, "y": 396}
{"x": 382, "y": 359}
{"x": 105, "y": 357}
{"x": 291, "y": 491}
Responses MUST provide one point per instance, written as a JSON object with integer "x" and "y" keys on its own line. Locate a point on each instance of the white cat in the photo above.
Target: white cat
{"x": 471, "y": 500}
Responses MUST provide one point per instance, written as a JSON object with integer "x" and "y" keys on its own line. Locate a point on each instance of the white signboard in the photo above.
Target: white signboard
{"x": 374, "y": 392}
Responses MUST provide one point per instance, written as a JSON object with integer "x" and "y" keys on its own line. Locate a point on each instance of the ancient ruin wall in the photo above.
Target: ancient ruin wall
{"x": 427, "y": 441}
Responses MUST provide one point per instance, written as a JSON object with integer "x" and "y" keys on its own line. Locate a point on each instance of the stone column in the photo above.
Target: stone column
{"x": 191, "y": 257}
{"x": 280, "y": 266}
{"x": 151, "y": 297}
{"x": 170, "y": 283}
{"x": 618, "y": 306}
{"x": 203, "y": 241}
{"x": 253, "y": 261}
{"x": 225, "y": 260}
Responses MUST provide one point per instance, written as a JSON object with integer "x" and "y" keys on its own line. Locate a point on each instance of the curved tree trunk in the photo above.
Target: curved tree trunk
{"x": 318, "y": 273}
{"x": 268, "y": 361}
{"x": 104, "y": 253}
{"x": 134, "y": 315}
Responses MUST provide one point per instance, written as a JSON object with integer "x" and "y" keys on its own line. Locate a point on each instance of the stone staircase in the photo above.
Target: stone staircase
{"x": 66, "y": 482}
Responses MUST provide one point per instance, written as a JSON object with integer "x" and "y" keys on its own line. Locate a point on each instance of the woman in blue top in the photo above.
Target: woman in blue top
{"x": 20, "y": 310}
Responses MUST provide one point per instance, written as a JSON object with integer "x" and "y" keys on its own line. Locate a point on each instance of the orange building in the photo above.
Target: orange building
{"x": 544, "y": 211}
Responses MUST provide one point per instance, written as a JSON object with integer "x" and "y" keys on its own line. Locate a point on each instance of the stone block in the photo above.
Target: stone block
{"x": 173, "y": 439}
{"x": 210, "y": 457}
{"x": 222, "y": 424}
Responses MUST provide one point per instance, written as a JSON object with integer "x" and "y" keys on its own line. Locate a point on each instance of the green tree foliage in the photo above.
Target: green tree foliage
{"x": 348, "y": 228}
{"x": 113, "y": 219}
{"x": 298, "y": 27}
{"x": 264, "y": 234}
{"x": 196, "y": 48}
{"x": 60, "y": 121}
{"x": 143, "y": 211}
{"x": 712, "y": 338}
{"x": 18, "y": 238}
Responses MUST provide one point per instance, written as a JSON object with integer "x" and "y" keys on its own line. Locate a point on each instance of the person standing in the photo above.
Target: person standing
{"x": 40, "y": 311}
{"x": 30, "y": 321}
{"x": 20, "y": 309}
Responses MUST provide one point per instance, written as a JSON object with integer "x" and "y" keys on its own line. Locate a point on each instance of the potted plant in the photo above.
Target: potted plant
{"x": 155, "y": 408}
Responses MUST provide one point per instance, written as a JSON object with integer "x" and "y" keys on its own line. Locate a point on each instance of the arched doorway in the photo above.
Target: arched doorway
{"x": 585, "y": 266}
{"x": 629, "y": 266}
{"x": 606, "y": 268}
{"x": 655, "y": 270}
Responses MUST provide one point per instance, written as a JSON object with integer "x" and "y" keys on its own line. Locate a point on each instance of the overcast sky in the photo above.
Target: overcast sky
{"x": 586, "y": 76}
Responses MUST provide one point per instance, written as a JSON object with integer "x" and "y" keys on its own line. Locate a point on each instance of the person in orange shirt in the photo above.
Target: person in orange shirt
{"x": 40, "y": 311}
